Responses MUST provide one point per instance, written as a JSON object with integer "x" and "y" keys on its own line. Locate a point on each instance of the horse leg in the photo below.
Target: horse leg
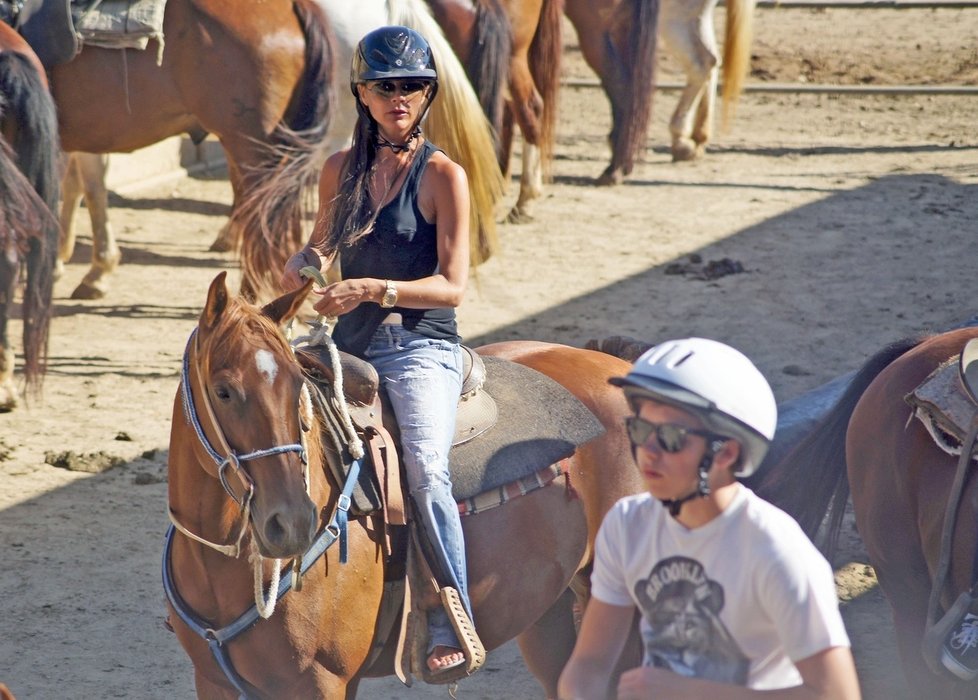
{"x": 526, "y": 107}
{"x": 548, "y": 644}
{"x": 693, "y": 41}
{"x": 531, "y": 184}
{"x": 8, "y": 390}
{"x": 91, "y": 169}
{"x": 71, "y": 194}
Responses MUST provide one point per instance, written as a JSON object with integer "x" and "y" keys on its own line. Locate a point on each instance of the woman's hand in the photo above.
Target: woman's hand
{"x": 306, "y": 257}
{"x": 342, "y": 297}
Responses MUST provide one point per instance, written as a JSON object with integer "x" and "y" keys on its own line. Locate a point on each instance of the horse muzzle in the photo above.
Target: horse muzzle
{"x": 285, "y": 530}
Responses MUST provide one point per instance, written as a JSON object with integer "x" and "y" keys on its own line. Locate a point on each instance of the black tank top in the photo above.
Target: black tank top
{"x": 402, "y": 246}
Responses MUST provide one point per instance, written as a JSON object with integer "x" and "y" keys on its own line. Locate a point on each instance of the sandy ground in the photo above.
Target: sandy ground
{"x": 853, "y": 219}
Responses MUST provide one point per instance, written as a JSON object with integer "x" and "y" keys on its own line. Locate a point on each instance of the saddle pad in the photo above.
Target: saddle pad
{"x": 540, "y": 422}
{"x": 119, "y": 24}
{"x": 943, "y": 406}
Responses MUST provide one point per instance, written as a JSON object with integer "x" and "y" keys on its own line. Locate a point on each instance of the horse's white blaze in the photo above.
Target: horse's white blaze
{"x": 266, "y": 364}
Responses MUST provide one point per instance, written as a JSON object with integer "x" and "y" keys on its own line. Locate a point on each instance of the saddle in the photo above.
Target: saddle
{"x": 944, "y": 406}
{"x": 514, "y": 426}
{"x": 57, "y": 29}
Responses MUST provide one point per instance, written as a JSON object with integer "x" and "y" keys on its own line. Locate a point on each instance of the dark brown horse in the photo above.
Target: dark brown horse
{"x": 901, "y": 482}
{"x": 514, "y": 47}
{"x": 618, "y": 40}
{"x": 28, "y": 198}
{"x": 246, "y": 392}
{"x": 259, "y": 79}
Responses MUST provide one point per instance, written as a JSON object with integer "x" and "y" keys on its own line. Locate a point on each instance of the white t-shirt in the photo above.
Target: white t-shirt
{"x": 736, "y": 600}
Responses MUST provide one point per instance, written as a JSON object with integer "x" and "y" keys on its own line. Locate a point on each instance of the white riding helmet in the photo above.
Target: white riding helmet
{"x": 714, "y": 381}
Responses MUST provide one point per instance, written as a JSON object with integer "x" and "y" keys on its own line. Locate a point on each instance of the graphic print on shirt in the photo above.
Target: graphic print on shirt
{"x": 681, "y": 606}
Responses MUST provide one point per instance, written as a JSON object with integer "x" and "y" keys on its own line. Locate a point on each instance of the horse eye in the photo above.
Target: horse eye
{"x": 222, "y": 392}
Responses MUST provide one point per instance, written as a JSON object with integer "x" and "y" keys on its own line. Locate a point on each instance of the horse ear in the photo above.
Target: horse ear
{"x": 217, "y": 301}
{"x": 287, "y": 305}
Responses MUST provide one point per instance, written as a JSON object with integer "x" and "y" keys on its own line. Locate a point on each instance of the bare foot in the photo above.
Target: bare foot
{"x": 443, "y": 658}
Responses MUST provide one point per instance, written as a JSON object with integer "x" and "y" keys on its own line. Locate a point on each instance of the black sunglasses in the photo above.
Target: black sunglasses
{"x": 669, "y": 436}
{"x": 389, "y": 88}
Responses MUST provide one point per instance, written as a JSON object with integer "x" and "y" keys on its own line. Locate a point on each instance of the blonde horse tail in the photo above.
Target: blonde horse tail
{"x": 457, "y": 124}
{"x": 736, "y": 53}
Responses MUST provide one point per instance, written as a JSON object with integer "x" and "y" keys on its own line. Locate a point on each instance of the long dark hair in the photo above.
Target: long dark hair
{"x": 351, "y": 217}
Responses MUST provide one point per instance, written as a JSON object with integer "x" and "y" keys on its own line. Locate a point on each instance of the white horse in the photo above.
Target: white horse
{"x": 455, "y": 122}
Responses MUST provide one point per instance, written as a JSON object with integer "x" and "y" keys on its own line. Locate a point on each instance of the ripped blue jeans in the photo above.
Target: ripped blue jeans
{"x": 423, "y": 379}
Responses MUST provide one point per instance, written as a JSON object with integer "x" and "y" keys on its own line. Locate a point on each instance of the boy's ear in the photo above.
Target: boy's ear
{"x": 728, "y": 456}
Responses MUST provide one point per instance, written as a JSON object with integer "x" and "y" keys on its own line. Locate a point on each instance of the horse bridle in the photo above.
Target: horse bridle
{"x": 231, "y": 458}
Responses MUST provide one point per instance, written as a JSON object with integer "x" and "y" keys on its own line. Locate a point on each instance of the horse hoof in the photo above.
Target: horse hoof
{"x": 610, "y": 177}
{"x": 685, "y": 150}
{"x": 518, "y": 216}
{"x": 88, "y": 291}
{"x": 221, "y": 245}
{"x": 8, "y": 399}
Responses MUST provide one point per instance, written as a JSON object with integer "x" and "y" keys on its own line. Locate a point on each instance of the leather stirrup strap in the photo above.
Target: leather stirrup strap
{"x": 384, "y": 454}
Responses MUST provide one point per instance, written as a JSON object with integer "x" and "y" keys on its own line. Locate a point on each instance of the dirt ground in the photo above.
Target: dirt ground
{"x": 853, "y": 218}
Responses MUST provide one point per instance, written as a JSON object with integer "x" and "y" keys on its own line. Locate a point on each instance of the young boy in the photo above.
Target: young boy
{"x": 735, "y": 601}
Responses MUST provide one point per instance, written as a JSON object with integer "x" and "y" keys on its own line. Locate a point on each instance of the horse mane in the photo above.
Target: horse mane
{"x": 29, "y": 175}
{"x": 621, "y": 346}
{"x": 634, "y": 77}
{"x": 281, "y": 188}
{"x": 240, "y": 322}
{"x": 811, "y": 481}
{"x": 457, "y": 123}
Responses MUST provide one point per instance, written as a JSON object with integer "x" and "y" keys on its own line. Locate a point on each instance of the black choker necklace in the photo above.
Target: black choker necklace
{"x": 383, "y": 142}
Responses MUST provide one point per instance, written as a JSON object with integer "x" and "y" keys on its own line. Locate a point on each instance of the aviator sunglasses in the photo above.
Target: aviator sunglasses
{"x": 389, "y": 88}
{"x": 669, "y": 436}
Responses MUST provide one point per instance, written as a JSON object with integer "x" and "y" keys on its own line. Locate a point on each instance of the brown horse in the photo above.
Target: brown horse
{"x": 260, "y": 80}
{"x": 243, "y": 394}
{"x": 28, "y": 198}
{"x": 901, "y": 482}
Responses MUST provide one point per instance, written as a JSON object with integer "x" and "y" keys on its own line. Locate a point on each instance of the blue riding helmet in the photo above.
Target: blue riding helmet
{"x": 392, "y": 52}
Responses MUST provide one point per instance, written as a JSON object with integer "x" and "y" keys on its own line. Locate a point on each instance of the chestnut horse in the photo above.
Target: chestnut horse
{"x": 269, "y": 201}
{"x": 241, "y": 402}
{"x": 605, "y": 29}
{"x": 901, "y": 482}
{"x": 28, "y": 198}
{"x": 260, "y": 80}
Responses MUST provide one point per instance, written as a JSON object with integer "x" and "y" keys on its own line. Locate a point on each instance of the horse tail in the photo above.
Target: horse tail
{"x": 811, "y": 479}
{"x": 279, "y": 193}
{"x": 488, "y": 64}
{"x": 457, "y": 123}
{"x": 544, "y": 58}
{"x": 632, "y": 79}
{"x": 736, "y": 53}
{"x": 32, "y": 190}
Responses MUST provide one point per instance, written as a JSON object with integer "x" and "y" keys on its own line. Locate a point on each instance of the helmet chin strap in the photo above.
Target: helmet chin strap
{"x": 702, "y": 482}
{"x": 383, "y": 142}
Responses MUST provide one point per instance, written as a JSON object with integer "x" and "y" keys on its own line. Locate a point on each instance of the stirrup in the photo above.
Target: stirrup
{"x": 468, "y": 639}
